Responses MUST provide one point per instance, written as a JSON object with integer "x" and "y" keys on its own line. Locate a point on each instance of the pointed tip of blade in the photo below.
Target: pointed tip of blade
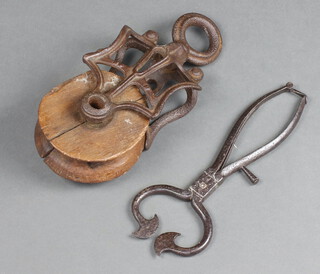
{"x": 158, "y": 252}
{"x": 138, "y": 234}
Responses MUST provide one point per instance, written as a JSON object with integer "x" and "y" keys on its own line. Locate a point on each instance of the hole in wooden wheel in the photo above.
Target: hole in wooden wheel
{"x": 96, "y": 103}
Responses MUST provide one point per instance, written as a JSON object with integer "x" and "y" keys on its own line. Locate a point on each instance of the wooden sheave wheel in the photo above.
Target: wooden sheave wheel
{"x": 81, "y": 151}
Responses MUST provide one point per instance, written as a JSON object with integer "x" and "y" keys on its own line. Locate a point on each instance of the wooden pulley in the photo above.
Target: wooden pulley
{"x": 93, "y": 127}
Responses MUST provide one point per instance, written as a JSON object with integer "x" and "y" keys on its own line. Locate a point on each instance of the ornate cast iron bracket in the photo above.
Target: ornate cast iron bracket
{"x": 158, "y": 73}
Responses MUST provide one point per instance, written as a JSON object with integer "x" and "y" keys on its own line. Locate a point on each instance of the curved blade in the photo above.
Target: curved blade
{"x": 165, "y": 242}
{"x": 147, "y": 227}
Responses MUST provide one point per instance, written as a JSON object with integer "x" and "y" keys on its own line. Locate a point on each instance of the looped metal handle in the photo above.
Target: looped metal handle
{"x": 258, "y": 153}
{"x": 198, "y": 20}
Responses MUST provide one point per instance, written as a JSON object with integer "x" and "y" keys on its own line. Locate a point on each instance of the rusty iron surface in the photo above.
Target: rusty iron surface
{"x": 211, "y": 179}
{"x": 158, "y": 73}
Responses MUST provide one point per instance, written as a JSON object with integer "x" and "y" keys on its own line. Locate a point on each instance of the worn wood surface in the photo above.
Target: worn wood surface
{"x": 79, "y": 151}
